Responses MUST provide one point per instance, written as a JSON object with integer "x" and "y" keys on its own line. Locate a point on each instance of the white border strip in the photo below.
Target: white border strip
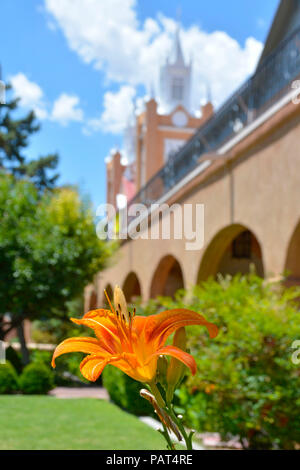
{"x": 189, "y": 130}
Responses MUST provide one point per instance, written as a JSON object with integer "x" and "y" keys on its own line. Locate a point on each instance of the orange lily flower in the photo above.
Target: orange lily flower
{"x": 131, "y": 343}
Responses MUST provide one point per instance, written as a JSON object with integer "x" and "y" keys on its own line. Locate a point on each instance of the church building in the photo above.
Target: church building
{"x": 155, "y": 134}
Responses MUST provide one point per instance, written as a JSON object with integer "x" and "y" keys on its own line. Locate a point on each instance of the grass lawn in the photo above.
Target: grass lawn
{"x": 41, "y": 422}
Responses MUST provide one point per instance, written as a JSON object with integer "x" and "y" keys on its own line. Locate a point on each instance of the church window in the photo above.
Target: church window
{"x": 177, "y": 88}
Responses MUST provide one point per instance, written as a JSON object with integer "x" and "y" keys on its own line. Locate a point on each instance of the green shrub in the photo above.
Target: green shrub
{"x": 66, "y": 372}
{"x": 8, "y": 378}
{"x": 14, "y": 357}
{"x": 41, "y": 356}
{"x": 125, "y": 392}
{"x": 246, "y": 384}
{"x": 36, "y": 379}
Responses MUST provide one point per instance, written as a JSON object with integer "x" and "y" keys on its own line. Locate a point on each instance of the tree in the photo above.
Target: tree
{"x": 14, "y": 139}
{"x": 49, "y": 251}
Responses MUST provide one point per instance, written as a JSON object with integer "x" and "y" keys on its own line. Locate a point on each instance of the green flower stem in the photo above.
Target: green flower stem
{"x": 166, "y": 435}
{"x": 157, "y": 394}
{"x": 179, "y": 424}
{"x": 160, "y": 401}
{"x": 170, "y": 411}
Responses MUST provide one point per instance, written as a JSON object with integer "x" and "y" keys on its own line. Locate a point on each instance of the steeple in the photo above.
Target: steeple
{"x": 179, "y": 60}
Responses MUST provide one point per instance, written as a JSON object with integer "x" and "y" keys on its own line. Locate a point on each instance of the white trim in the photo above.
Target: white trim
{"x": 264, "y": 117}
{"x": 170, "y": 193}
{"x": 189, "y": 130}
{"x": 184, "y": 181}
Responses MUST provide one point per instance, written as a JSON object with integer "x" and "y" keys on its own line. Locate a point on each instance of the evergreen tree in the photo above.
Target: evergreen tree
{"x": 14, "y": 139}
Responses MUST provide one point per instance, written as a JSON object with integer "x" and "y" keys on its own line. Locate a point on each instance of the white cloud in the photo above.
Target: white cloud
{"x": 65, "y": 109}
{"x": 101, "y": 32}
{"x": 30, "y": 93}
{"x": 219, "y": 61}
{"x": 118, "y": 107}
{"x": 108, "y": 35}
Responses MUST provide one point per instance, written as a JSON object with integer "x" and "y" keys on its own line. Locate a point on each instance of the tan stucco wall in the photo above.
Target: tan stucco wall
{"x": 259, "y": 189}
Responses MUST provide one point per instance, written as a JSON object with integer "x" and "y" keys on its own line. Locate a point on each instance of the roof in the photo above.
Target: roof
{"x": 286, "y": 20}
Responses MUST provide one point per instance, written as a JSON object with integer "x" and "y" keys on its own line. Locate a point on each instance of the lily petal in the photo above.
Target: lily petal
{"x": 163, "y": 324}
{"x": 99, "y": 313}
{"x": 92, "y": 366}
{"x": 102, "y": 322}
{"x": 80, "y": 344}
{"x": 182, "y": 356}
{"x": 138, "y": 325}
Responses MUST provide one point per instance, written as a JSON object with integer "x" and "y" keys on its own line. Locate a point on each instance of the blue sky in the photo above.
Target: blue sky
{"x": 80, "y": 63}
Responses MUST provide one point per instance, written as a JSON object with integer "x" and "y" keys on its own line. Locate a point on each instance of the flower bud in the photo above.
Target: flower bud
{"x": 120, "y": 302}
{"x": 162, "y": 368}
{"x": 176, "y": 368}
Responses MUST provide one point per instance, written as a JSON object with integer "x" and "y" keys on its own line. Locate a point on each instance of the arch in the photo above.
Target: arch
{"x": 292, "y": 263}
{"x": 131, "y": 287}
{"x": 109, "y": 291}
{"x": 167, "y": 278}
{"x": 93, "y": 300}
{"x": 233, "y": 250}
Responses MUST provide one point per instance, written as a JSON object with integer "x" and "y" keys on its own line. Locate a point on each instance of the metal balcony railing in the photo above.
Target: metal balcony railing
{"x": 271, "y": 81}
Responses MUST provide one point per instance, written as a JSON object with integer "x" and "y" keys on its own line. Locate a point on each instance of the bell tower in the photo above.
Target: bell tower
{"x": 157, "y": 132}
{"x": 175, "y": 79}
